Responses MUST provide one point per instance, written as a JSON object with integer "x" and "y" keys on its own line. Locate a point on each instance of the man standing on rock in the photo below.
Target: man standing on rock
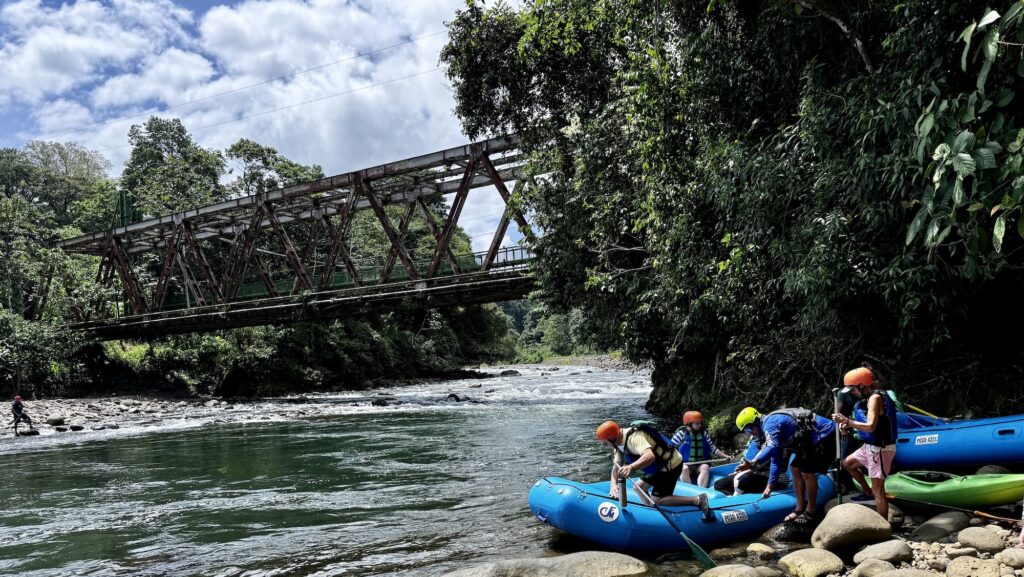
{"x": 877, "y": 428}
{"x": 806, "y": 434}
{"x": 18, "y": 408}
{"x": 643, "y": 449}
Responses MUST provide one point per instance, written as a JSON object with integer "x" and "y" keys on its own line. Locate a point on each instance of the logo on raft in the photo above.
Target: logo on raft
{"x": 608, "y": 512}
{"x": 927, "y": 440}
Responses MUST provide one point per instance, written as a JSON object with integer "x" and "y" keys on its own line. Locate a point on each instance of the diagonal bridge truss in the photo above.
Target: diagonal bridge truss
{"x": 289, "y": 254}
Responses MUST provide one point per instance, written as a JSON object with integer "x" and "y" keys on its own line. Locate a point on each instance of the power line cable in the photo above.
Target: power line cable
{"x": 297, "y": 104}
{"x": 241, "y": 88}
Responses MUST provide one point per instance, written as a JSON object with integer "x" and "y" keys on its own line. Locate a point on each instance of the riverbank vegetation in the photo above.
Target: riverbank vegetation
{"x": 50, "y": 191}
{"x": 758, "y": 196}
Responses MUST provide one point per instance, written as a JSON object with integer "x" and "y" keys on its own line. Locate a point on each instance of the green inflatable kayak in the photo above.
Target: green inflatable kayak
{"x": 956, "y": 491}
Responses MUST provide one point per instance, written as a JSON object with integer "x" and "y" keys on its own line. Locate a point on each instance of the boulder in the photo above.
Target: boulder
{"x": 954, "y": 552}
{"x": 583, "y": 564}
{"x": 512, "y": 373}
{"x": 731, "y": 571}
{"x": 871, "y": 568}
{"x": 760, "y": 550}
{"x": 768, "y": 572}
{"x": 77, "y": 427}
{"x": 727, "y": 553}
{"x": 790, "y": 533}
{"x": 811, "y": 563}
{"x": 1012, "y": 557}
{"x": 55, "y": 420}
{"x": 850, "y": 525}
{"x": 972, "y": 567}
{"x": 941, "y": 526}
{"x": 938, "y": 564}
{"x": 28, "y": 433}
{"x": 894, "y": 551}
{"x": 982, "y": 539}
{"x": 61, "y": 429}
{"x": 906, "y": 573}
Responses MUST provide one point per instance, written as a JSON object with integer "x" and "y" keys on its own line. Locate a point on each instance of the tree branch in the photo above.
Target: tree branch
{"x": 814, "y": 5}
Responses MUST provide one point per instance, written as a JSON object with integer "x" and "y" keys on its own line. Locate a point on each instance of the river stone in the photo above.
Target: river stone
{"x": 894, "y": 551}
{"x": 28, "y": 433}
{"x": 55, "y": 420}
{"x": 939, "y": 564}
{"x": 849, "y": 525}
{"x": 61, "y": 429}
{"x": 972, "y": 567}
{"x": 731, "y": 571}
{"x": 768, "y": 572}
{"x": 954, "y": 552}
{"x": 583, "y": 564}
{"x": 993, "y": 470}
{"x": 941, "y": 526}
{"x": 982, "y": 539}
{"x": 790, "y": 533}
{"x": 760, "y": 550}
{"x": 727, "y": 553}
{"x": 510, "y": 373}
{"x": 871, "y": 568}
{"x": 810, "y": 563}
{"x": 77, "y": 427}
{"x": 906, "y": 573}
{"x": 1012, "y": 557}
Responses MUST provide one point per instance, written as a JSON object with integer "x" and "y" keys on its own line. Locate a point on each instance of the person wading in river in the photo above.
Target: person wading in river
{"x": 695, "y": 445}
{"x": 806, "y": 434}
{"x": 877, "y": 428}
{"x": 642, "y": 448}
{"x": 18, "y": 409}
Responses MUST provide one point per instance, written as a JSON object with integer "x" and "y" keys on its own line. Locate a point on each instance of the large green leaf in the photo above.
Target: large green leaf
{"x": 916, "y": 224}
{"x": 964, "y": 164}
{"x": 997, "y": 233}
{"x": 989, "y": 47}
{"x": 984, "y": 158}
{"x": 964, "y": 141}
{"x": 987, "y": 19}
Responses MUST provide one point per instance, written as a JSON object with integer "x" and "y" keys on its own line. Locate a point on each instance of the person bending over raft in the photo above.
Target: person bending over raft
{"x": 877, "y": 427}
{"x": 803, "y": 432}
{"x": 753, "y": 480}
{"x": 695, "y": 445}
{"x": 644, "y": 449}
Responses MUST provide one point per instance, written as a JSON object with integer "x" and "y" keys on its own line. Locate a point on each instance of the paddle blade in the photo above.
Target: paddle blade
{"x": 702, "y": 557}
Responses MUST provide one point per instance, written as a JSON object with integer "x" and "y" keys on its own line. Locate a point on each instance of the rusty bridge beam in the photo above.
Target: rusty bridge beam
{"x": 436, "y": 232}
{"x": 160, "y": 290}
{"x": 204, "y": 265}
{"x": 445, "y": 238}
{"x": 499, "y": 184}
{"x": 293, "y": 257}
{"x": 403, "y": 228}
{"x": 389, "y": 230}
{"x": 338, "y": 236}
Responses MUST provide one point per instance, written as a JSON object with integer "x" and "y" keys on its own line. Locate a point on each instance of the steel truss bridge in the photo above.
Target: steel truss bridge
{"x": 287, "y": 255}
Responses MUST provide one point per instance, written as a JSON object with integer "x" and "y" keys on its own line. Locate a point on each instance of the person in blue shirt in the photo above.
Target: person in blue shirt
{"x": 695, "y": 446}
{"x": 801, "y": 431}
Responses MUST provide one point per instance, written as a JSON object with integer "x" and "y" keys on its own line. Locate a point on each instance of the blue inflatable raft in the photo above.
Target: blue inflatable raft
{"x": 585, "y": 510}
{"x": 926, "y": 443}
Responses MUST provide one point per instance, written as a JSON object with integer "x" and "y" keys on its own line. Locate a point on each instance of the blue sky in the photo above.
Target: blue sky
{"x": 85, "y": 70}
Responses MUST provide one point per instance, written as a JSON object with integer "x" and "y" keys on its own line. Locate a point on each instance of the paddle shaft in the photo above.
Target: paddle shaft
{"x": 839, "y": 447}
{"x": 699, "y": 553}
{"x": 892, "y": 497}
{"x": 706, "y": 462}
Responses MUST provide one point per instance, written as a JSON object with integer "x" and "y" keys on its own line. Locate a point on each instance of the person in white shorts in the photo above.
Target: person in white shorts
{"x": 874, "y": 419}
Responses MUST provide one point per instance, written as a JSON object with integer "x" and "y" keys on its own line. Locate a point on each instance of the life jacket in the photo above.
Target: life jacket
{"x": 661, "y": 447}
{"x": 805, "y": 421}
{"x": 693, "y": 452}
{"x": 887, "y": 428}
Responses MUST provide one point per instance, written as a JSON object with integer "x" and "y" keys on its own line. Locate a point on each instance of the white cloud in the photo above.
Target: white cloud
{"x": 167, "y": 77}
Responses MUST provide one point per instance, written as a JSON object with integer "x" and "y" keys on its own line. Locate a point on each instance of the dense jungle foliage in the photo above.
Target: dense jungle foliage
{"x": 50, "y": 191}
{"x": 757, "y": 196}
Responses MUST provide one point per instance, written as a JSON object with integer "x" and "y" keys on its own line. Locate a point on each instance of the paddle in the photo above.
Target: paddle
{"x": 891, "y": 497}
{"x": 839, "y": 448}
{"x": 698, "y": 553}
{"x": 708, "y": 462}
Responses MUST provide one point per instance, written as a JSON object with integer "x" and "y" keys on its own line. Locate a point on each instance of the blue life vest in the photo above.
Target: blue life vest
{"x": 887, "y": 428}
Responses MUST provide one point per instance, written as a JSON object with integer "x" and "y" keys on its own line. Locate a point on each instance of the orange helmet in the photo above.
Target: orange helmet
{"x": 691, "y": 416}
{"x": 608, "y": 431}
{"x": 859, "y": 377}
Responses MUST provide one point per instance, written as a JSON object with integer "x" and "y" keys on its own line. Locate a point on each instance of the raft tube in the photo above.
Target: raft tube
{"x": 586, "y": 511}
{"x": 937, "y": 444}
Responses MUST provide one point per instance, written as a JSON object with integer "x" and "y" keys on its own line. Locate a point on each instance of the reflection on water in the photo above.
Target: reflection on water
{"x": 421, "y": 488}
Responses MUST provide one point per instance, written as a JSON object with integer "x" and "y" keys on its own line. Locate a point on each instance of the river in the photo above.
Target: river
{"x": 419, "y": 488}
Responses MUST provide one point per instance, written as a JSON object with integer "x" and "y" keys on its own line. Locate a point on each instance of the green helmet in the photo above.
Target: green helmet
{"x": 746, "y": 417}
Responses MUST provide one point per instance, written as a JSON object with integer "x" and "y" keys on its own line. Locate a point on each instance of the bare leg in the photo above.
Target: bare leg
{"x": 798, "y": 487}
{"x": 811, "y": 481}
{"x": 685, "y": 476}
{"x": 881, "y": 503}
{"x": 736, "y": 482}
{"x": 704, "y": 479}
{"x": 641, "y": 490}
{"x": 852, "y": 467}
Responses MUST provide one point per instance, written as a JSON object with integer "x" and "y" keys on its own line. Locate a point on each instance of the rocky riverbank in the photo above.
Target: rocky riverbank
{"x": 851, "y": 541}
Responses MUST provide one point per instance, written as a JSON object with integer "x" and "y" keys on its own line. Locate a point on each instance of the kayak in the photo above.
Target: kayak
{"x": 586, "y": 511}
{"x": 956, "y": 491}
{"x": 935, "y": 443}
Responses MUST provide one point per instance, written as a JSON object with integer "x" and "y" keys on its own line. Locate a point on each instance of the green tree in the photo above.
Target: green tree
{"x": 167, "y": 171}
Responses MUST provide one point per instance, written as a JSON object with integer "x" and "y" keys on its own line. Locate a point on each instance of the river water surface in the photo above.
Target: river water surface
{"x": 420, "y": 488}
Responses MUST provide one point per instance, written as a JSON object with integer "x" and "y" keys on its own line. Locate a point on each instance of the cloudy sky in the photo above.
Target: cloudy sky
{"x": 344, "y": 84}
